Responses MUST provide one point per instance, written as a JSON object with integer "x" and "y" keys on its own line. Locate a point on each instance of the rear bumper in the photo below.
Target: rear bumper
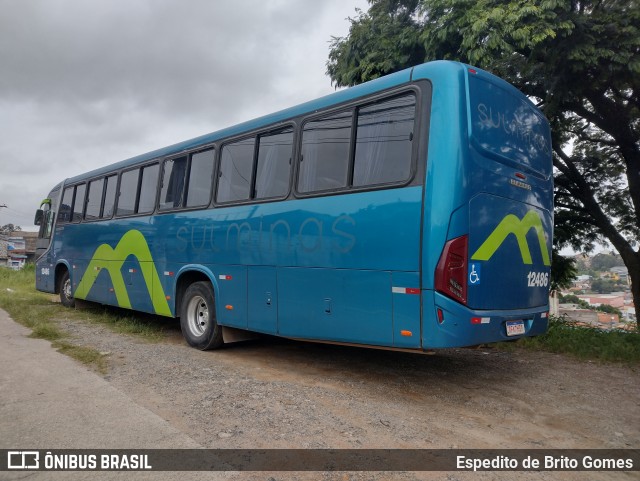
{"x": 458, "y": 330}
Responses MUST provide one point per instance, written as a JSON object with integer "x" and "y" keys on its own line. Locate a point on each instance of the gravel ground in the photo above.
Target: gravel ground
{"x": 276, "y": 393}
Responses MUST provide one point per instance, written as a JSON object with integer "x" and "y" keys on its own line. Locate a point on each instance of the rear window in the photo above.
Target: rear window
{"x": 505, "y": 125}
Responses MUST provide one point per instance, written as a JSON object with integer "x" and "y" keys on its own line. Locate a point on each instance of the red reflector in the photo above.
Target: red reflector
{"x": 520, "y": 175}
{"x": 476, "y": 320}
{"x": 412, "y": 290}
{"x": 473, "y": 71}
{"x": 440, "y": 316}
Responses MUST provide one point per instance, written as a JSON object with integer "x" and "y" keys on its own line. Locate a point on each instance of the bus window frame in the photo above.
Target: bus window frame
{"x": 189, "y": 153}
{"x": 104, "y": 178}
{"x": 255, "y": 135}
{"x": 159, "y": 209}
{"x": 73, "y": 203}
{"x": 354, "y": 106}
{"x": 419, "y": 150}
{"x": 89, "y": 181}
{"x": 84, "y": 202}
{"x": 136, "y": 205}
{"x": 115, "y": 174}
{"x": 214, "y": 148}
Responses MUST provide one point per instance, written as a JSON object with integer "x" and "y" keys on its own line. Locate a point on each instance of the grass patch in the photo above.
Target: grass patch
{"x": 85, "y": 355}
{"x": 149, "y": 327}
{"x": 567, "y": 337}
{"x": 39, "y": 312}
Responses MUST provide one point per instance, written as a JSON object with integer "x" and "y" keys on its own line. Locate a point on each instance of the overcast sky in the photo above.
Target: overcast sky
{"x": 87, "y": 83}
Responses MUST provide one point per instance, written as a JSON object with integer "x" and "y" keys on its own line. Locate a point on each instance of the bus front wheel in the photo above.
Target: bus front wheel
{"x": 198, "y": 317}
{"x": 66, "y": 292}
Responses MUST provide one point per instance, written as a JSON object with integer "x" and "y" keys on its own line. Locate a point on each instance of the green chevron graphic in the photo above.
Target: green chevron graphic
{"x": 105, "y": 257}
{"x": 511, "y": 224}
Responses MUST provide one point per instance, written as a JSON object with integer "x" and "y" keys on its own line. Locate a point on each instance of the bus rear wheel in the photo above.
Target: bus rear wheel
{"x": 198, "y": 317}
{"x": 66, "y": 291}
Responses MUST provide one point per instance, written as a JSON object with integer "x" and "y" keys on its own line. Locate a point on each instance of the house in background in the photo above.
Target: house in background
{"x": 17, "y": 249}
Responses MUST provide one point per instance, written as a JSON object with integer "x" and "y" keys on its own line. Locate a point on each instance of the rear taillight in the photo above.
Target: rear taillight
{"x": 451, "y": 273}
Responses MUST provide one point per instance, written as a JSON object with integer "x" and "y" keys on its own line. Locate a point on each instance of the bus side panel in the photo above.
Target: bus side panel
{"x": 231, "y": 303}
{"x": 133, "y": 274}
{"x": 45, "y": 274}
{"x": 335, "y": 305}
{"x": 263, "y": 299}
{"x": 406, "y": 309}
{"x": 446, "y": 178}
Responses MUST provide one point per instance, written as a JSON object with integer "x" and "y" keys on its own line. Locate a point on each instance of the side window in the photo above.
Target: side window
{"x": 109, "y": 196}
{"x": 47, "y": 223}
{"x": 384, "y": 138}
{"x": 172, "y": 188}
{"x": 324, "y": 164}
{"x": 274, "y": 160}
{"x": 236, "y": 167}
{"x": 78, "y": 204}
{"x": 148, "y": 188}
{"x": 128, "y": 192}
{"x": 64, "y": 214}
{"x": 94, "y": 199}
{"x": 200, "y": 175}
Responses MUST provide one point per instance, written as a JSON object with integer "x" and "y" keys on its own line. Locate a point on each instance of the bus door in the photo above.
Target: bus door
{"x": 45, "y": 217}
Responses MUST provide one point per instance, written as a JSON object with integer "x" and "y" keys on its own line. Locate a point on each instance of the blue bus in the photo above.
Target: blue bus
{"x": 411, "y": 212}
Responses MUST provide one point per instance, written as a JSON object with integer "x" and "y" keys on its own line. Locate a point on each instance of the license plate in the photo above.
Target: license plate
{"x": 515, "y": 328}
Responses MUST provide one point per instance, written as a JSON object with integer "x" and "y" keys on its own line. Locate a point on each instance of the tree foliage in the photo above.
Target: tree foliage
{"x": 604, "y": 262}
{"x": 573, "y": 299}
{"x": 603, "y": 286}
{"x": 579, "y": 60}
{"x": 7, "y": 229}
{"x": 563, "y": 272}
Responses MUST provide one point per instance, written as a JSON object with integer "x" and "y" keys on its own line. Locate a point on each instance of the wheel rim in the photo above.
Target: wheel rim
{"x": 198, "y": 316}
{"x": 66, "y": 289}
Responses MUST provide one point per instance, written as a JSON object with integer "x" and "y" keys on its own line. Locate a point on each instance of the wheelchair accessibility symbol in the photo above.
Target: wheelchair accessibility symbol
{"x": 474, "y": 274}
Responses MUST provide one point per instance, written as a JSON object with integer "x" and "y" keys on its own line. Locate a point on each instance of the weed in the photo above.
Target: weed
{"x": 39, "y": 312}
{"x": 586, "y": 342}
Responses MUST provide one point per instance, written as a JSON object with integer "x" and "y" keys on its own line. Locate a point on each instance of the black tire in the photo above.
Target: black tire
{"x": 66, "y": 289}
{"x": 198, "y": 317}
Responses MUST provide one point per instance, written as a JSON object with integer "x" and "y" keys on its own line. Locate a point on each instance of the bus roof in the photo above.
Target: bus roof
{"x": 336, "y": 98}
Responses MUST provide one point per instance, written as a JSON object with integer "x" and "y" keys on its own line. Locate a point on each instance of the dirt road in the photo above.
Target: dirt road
{"x": 275, "y": 393}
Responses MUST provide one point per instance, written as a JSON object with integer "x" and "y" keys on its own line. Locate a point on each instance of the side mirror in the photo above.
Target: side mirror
{"x": 39, "y": 217}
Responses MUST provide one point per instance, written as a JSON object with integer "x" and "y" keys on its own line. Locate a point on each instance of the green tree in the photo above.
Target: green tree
{"x": 602, "y": 286}
{"x": 563, "y": 273}
{"x": 609, "y": 310}
{"x": 579, "y": 60}
{"x": 604, "y": 262}
{"x": 571, "y": 299}
{"x": 7, "y": 229}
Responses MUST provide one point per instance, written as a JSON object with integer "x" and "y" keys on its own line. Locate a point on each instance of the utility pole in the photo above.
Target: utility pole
{"x": 1, "y": 206}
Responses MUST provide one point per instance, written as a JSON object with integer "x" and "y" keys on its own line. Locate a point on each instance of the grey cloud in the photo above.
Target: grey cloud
{"x": 87, "y": 83}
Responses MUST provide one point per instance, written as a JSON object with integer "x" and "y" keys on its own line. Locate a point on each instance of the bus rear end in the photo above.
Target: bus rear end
{"x": 491, "y": 258}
